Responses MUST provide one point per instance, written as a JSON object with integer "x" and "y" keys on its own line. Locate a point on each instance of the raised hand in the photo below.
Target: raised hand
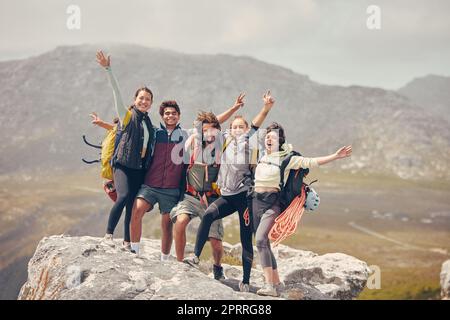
{"x": 103, "y": 60}
{"x": 268, "y": 100}
{"x": 239, "y": 101}
{"x": 344, "y": 152}
{"x": 95, "y": 119}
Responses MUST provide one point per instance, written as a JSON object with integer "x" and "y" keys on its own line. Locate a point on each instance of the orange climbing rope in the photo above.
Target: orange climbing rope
{"x": 286, "y": 223}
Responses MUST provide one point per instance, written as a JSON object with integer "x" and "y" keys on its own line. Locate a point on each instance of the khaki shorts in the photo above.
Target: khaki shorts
{"x": 193, "y": 208}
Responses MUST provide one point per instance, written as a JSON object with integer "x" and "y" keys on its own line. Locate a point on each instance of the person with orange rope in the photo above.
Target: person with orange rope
{"x": 265, "y": 199}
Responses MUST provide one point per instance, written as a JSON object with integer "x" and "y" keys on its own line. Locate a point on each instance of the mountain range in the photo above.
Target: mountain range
{"x": 46, "y": 101}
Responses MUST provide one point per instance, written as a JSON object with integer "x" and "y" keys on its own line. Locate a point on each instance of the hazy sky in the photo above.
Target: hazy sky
{"x": 327, "y": 40}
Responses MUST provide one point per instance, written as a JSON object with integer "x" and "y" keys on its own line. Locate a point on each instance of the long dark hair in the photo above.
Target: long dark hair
{"x": 143, "y": 89}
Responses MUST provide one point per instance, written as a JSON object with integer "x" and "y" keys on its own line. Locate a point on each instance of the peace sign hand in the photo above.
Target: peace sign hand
{"x": 239, "y": 101}
{"x": 268, "y": 100}
{"x": 95, "y": 119}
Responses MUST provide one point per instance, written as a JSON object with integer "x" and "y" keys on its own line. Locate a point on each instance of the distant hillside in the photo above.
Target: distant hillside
{"x": 431, "y": 92}
{"x": 46, "y": 101}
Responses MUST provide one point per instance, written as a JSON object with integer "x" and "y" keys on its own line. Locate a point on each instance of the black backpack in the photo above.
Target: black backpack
{"x": 293, "y": 186}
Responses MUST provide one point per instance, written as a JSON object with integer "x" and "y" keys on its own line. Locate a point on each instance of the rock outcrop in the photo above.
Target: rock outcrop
{"x": 445, "y": 280}
{"x": 65, "y": 267}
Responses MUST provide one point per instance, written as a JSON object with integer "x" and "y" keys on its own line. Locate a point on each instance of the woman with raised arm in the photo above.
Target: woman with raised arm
{"x": 133, "y": 153}
{"x": 234, "y": 181}
{"x": 265, "y": 205}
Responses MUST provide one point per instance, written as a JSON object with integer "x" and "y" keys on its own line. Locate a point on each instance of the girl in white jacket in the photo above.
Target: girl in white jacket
{"x": 266, "y": 197}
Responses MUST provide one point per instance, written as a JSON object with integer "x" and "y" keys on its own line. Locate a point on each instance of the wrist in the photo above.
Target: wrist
{"x": 267, "y": 108}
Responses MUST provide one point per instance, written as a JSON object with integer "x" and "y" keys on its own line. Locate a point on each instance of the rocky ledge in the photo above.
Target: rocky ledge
{"x": 65, "y": 267}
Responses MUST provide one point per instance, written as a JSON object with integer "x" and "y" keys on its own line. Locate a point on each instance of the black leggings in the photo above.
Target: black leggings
{"x": 127, "y": 182}
{"x": 222, "y": 207}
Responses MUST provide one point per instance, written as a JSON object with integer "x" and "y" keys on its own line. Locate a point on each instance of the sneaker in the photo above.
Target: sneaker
{"x": 169, "y": 257}
{"x": 268, "y": 290}
{"x": 244, "y": 287}
{"x": 218, "y": 272}
{"x": 108, "y": 240}
{"x": 280, "y": 287}
{"x": 192, "y": 261}
{"x": 126, "y": 246}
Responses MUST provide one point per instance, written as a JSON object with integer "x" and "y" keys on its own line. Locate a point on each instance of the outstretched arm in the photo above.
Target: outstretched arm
{"x": 105, "y": 62}
{"x": 302, "y": 162}
{"x": 342, "y": 153}
{"x": 228, "y": 113}
{"x": 261, "y": 116}
{"x": 99, "y": 122}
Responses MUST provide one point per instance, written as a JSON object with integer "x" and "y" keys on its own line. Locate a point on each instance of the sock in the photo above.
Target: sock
{"x": 135, "y": 247}
{"x": 165, "y": 257}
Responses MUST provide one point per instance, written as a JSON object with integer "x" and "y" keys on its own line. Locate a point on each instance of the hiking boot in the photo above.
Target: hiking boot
{"x": 108, "y": 240}
{"x": 268, "y": 290}
{"x": 280, "y": 287}
{"x": 218, "y": 272}
{"x": 244, "y": 287}
{"x": 192, "y": 261}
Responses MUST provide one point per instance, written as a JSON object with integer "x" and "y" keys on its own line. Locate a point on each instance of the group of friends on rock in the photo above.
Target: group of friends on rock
{"x": 208, "y": 172}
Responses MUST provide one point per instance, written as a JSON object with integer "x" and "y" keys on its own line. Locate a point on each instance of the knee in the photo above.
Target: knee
{"x": 122, "y": 198}
{"x": 182, "y": 220}
{"x": 209, "y": 215}
{"x": 181, "y": 224}
{"x": 261, "y": 242}
{"x": 166, "y": 222}
{"x": 216, "y": 244}
{"x": 139, "y": 210}
{"x": 247, "y": 249}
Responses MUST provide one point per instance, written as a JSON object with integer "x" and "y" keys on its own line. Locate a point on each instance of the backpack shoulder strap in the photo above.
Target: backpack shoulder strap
{"x": 284, "y": 165}
{"x": 126, "y": 119}
{"x": 226, "y": 143}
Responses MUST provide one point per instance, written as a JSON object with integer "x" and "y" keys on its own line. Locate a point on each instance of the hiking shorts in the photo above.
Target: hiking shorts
{"x": 165, "y": 198}
{"x": 194, "y": 208}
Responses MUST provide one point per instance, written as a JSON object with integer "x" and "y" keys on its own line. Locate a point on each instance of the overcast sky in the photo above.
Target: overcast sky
{"x": 327, "y": 40}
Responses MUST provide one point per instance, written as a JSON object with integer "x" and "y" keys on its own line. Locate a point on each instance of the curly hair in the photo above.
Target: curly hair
{"x": 168, "y": 104}
{"x": 208, "y": 117}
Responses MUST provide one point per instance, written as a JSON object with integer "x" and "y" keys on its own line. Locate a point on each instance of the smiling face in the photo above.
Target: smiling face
{"x": 271, "y": 142}
{"x": 143, "y": 101}
{"x": 209, "y": 132}
{"x": 171, "y": 117}
{"x": 238, "y": 127}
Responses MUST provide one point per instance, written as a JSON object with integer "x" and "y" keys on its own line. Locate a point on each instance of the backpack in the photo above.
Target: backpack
{"x": 292, "y": 201}
{"x": 108, "y": 147}
{"x": 192, "y": 188}
{"x": 294, "y": 182}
